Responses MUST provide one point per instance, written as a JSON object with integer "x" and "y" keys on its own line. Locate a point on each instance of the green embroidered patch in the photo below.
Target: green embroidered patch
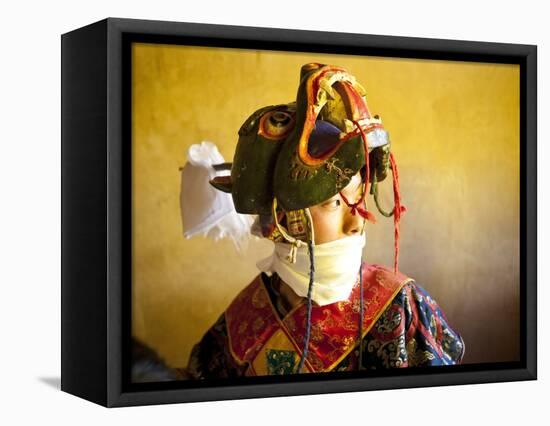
{"x": 280, "y": 362}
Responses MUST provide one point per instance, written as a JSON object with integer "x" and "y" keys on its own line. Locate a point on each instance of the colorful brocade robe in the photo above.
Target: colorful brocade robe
{"x": 402, "y": 327}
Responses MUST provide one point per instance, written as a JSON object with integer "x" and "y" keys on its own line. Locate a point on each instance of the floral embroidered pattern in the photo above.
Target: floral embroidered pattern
{"x": 411, "y": 331}
{"x": 280, "y": 362}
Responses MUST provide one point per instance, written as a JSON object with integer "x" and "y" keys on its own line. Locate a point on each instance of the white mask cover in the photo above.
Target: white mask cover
{"x": 337, "y": 266}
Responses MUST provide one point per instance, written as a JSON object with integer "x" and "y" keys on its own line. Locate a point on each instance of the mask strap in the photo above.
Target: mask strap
{"x": 374, "y": 192}
{"x": 294, "y": 242}
{"x": 310, "y": 244}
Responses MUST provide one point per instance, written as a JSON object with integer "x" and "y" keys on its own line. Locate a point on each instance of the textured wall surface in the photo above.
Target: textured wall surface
{"x": 454, "y": 128}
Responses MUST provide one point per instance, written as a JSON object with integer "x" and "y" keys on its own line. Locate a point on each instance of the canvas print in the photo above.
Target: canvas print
{"x": 302, "y": 213}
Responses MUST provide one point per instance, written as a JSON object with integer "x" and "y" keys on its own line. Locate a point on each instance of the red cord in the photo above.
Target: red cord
{"x": 397, "y": 209}
{"x": 358, "y": 206}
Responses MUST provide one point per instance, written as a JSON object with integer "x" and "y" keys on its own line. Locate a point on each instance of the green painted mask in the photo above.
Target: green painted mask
{"x": 305, "y": 152}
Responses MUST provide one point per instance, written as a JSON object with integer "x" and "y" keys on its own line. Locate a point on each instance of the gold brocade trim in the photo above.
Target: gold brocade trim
{"x": 280, "y": 340}
{"x": 259, "y": 282}
{"x": 379, "y": 312}
{"x": 239, "y": 361}
{"x": 282, "y": 325}
{"x": 230, "y": 344}
{"x": 374, "y": 319}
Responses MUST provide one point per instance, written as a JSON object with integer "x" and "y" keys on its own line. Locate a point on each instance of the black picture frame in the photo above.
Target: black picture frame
{"x": 96, "y": 226}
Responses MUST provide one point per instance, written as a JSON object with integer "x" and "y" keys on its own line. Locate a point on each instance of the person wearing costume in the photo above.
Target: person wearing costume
{"x": 304, "y": 169}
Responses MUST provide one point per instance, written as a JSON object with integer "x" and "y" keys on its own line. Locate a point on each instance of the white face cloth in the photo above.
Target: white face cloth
{"x": 337, "y": 266}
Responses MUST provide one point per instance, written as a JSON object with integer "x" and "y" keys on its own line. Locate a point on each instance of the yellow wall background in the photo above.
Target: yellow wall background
{"x": 454, "y": 128}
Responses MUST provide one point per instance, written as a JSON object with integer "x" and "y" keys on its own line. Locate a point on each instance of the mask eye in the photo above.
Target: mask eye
{"x": 276, "y": 124}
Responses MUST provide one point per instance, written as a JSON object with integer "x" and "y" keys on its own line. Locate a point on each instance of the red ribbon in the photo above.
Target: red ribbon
{"x": 398, "y": 209}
